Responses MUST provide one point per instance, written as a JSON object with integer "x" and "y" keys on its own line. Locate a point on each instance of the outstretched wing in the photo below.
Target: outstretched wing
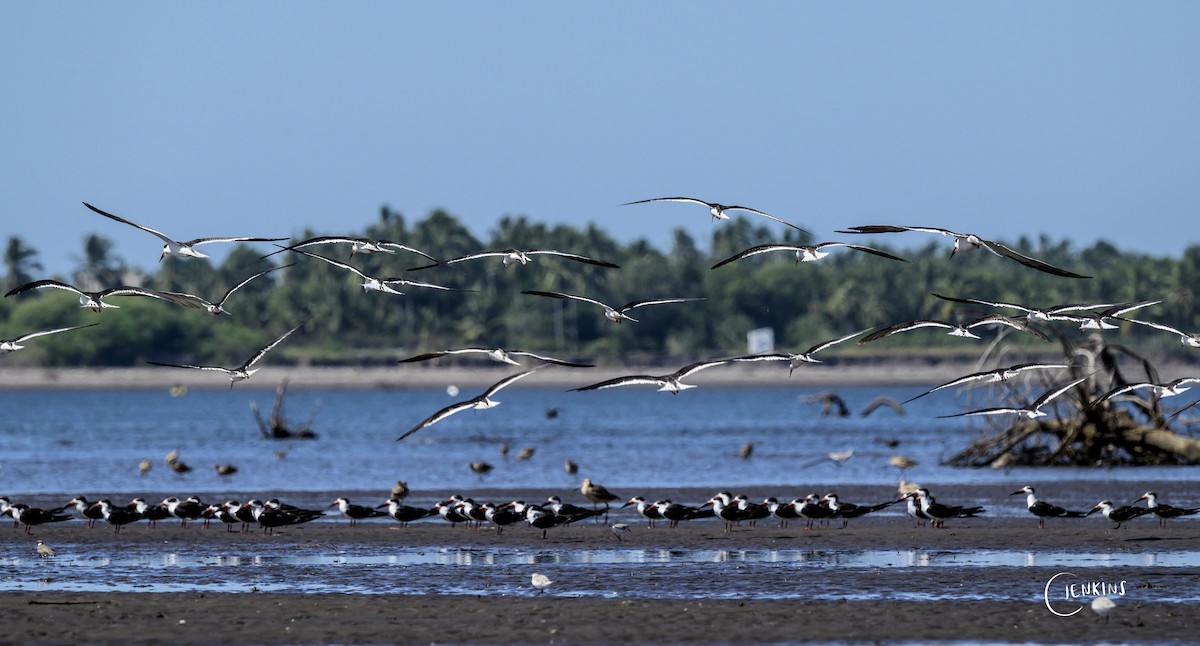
{"x": 821, "y": 346}
{"x": 629, "y": 380}
{"x": 654, "y": 301}
{"x": 38, "y": 284}
{"x": 1001, "y": 250}
{"x": 55, "y": 331}
{"x": 573, "y": 297}
{"x": 508, "y": 380}
{"x": 903, "y": 327}
{"x": 161, "y": 236}
{"x": 754, "y": 251}
{"x": 441, "y": 415}
{"x": 259, "y": 355}
{"x": 574, "y": 256}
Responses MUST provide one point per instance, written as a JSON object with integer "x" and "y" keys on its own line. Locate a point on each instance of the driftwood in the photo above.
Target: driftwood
{"x": 276, "y": 428}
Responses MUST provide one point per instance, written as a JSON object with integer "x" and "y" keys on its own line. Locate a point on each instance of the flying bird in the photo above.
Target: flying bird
{"x": 12, "y": 345}
{"x": 804, "y": 253}
{"x": 1031, "y": 411}
{"x": 718, "y": 211}
{"x": 956, "y": 329}
{"x": 614, "y": 314}
{"x": 95, "y": 300}
{"x": 174, "y": 247}
{"x": 371, "y": 283}
{"x": 498, "y": 355}
{"x": 241, "y": 372}
{"x": 514, "y": 256}
{"x": 479, "y": 402}
{"x": 1190, "y": 340}
{"x": 796, "y": 360}
{"x": 357, "y": 245}
{"x": 1042, "y": 314}
{"x": 968, "y": 241}
{"x": 218, "y": 308}
{"x": 671, "y": 383}
{"x": 993, "y": 376}
{"x": 1168, "y": 389}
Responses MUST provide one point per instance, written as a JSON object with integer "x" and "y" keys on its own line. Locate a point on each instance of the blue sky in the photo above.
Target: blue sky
{"x": 1077, "y": 120}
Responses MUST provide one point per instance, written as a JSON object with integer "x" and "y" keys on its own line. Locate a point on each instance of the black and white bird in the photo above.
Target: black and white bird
{"x": 117, "y": 516}
{"x": 1031, "y": 411}
{"x": 846, "y": 510}
{"x": 1043, "y": 509}
{"x": 356, "y": 512}
{"x": 1168, "y": 389}
{"x": 1164, "y": 511}
{"x": 218, "y": 308}
{"x": 718, "y": 211}
{"x": 518, "y": 256}
{"x": 993, "y": 376}
{"x": 956, "y": 329}
{"x": 174, "y": 247}
{"x": 804, "y": 253}
{"x": 12, "y": 345}
{"x": 241, "y": 372}
{"x": 1190, "y": 340}
{"x": 482, "y": 401}
{"x": 499, "y": 355}
{"x": 669, "y": 383}
{"x": 1119, "y": 514}
{"x": 357, "y": 245}
{"x": 614, "y": 314}
{"x": 939, "y": 513}
{"x": 373, "y": 284}
{"x": 95, "y": 300}
{"x": 1040, "y": 314}
{"x": 967, "y": 241}
{"x": 798, "y": 359}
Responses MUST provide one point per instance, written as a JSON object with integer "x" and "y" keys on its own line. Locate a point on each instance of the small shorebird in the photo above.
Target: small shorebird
{"x": 570, "y": 467}
{"x": 218, "y": 308}
{"x": 1103, "y": 605}
{"x": 671, "y": 383}
{"x": 514, "y": 256}
{"x": 12, "y": 345}
{"x": 798, "y": 359}
{"x": 175, "y": 247}
{"x": 904, "y": 463}
{"x": 617, "y": 530}
{"x": 1043, "y": 509}
{"x": 1165, "y": 511}
{"x": 1190, "y": 340}
{"x": 956, "y": 329}
{"x": 373, "y": 284}
{"x": 804, "y": 253}
{"x": 225, "y": 469}
{"x": 498, "y": 355}
{"x": 614, "y": 314}
{"x": 540, "y": 582}
{"x": 967, "y": 241}
{"x": 1119, "y": 514}
{"x": 357, "y": 245}
{"x": 1031, "y": 411}
{"x": 241, "y": 372}
{"x": 479, "y": 402}
{"x": 43, "y": 550}
{"x": 480, "y": 468}
{"x": 994, "y": 376}
{"x": 596, "y": 493}
{"x": 718, "y": 211}
{"x": 95, "y": 300}
{"x": 1168, "y": 389}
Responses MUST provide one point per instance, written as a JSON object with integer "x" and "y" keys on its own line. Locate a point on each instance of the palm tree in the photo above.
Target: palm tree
{"x": 19, "y": 263}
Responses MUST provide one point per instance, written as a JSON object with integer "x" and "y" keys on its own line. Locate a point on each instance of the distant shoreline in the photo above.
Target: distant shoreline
{"x": 915, "y": 372}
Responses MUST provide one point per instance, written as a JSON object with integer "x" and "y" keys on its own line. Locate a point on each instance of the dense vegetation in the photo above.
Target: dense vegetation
{"x": 804, "y": 304}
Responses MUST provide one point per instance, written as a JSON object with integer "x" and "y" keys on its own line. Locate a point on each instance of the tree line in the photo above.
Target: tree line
{"x": 804, "y": 303}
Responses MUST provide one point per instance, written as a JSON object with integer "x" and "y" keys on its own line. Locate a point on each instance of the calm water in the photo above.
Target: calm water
{"x": 91, "y": 441}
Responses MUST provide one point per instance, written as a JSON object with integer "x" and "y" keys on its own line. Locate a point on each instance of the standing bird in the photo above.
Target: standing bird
{"x": 718, "y": 211}
{"x": 1165, "y": 511}
{"x": 12, "y": 345}
{"x": 617, "y": 530}
{"x": 596, "y": 493}
{"x": 540, "y": 582}
{"x": 241, "y": 372}
{"x": 43, "y": 550}
{"x": 225, "y": 469}
{"x": 1043, "y": 509}
{"x": 356, "y": 512}
{"x": 1119, "y": 514}
{"x": 95, "y": 300}
{"x": 481, "y": 468}
{"x": 174, "y": 247}
{"x": 400, "y": 491}
{"x": 614, "y": 314}
{"x": 570, "y": 467}
{"x": 482, "y": 401}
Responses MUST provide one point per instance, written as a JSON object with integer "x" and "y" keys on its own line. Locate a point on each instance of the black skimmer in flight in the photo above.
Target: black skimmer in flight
{"x": 87, "y": 510}
{"x": 373, "y": 284}
{"x": 1101, "y": 320}
{"x": 1119, "y": 514}
{"x": 718, "y": 211}
{"x": 117, "y": 516}
{"x": 967, "y": 241}
{"x": 482, "y": 401}
{"x": 241, "y": 372}
{"x": 804, "y": 253}
{"x": 800, "y": 358}
{"x": 956, "y": 329}
{"x": 540, "y": 582}
{"x": 499, "y": 355}
{"x": 95, "y": 300}
{"x": 1031, "y": 411}
{"x": 12, "y": 345}
{"x": 356, "y": 512}
{"x": 614, "y": 314}
{"x": 218, "y": 308}
{"x": 671, "y": 383}
{"x": 846, "y": 510}
{"x": 597, "y": 493}
{"x": 1040, "y": 314}
{"x": 993, "y": 376}
{"x": 1168, "y": 389}
{"x": 1190, "y": 340}
{"x": 357, "y": 245}
{"x": 175, "y": 247}
{"x": 44, "y": 551}
{"x": 1164, "y": 511}
{"x": 939, "y": 513}
{"x": 515, "y": 256}
{"x": 1043, "y": 509}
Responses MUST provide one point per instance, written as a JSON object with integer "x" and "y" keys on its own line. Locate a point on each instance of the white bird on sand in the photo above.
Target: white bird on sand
{"x": 241, "y": 372}
{"x": 12, "y": 345}
{"x": 1102, "y": 606}
{"x": 718, "y": 211}
{"x": 175, "y": 247}
{"x": 479, "y": 402}
{"x": 514, "y": 256}
{"x": 671, "y": 383}
{"x": 614, "y": 314}
{"x": 804, "y": 253}
{"x": 1031, "y": 411}
{"x": 540, "y": 581}
{"x": 967, "y": 241}
{"x": 371, "y": 283}
{"x": 620, "y": 528}
{"x": 218, "y": 308}
{"x": 498, "y": 355}
{"x": 95, "y": 300}
{"x": 994, "y": 376}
